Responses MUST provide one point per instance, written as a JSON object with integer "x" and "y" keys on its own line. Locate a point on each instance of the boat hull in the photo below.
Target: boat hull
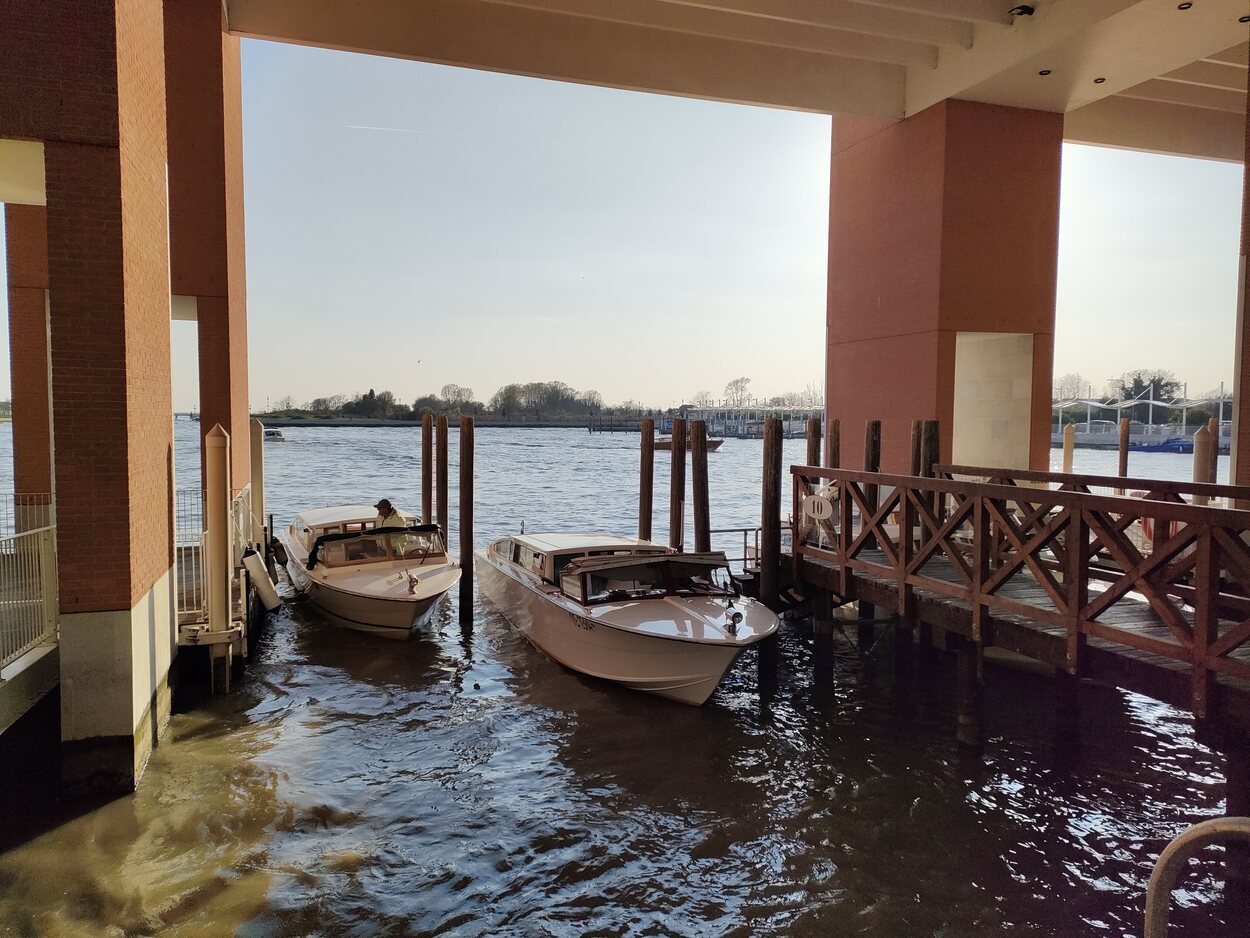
{"x": 390, "y": 618}
{"x": 677, "y": 670}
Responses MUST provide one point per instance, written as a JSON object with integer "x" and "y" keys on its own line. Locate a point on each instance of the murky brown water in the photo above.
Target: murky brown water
{"x": 465, "y": 784}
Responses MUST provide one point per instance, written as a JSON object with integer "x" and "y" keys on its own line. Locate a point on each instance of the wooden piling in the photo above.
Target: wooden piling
{"x": 822, "y": 634}
{"x": 813, "y": 441}
{"x": 833, "y": 444}
{"x": 698, "y": 484}
{"x": 677, "y": 487}
{"x": 1069, "y": 445}
{"x": 917, "y": 437}
{"x": 930, "y": 456}
{"x": 1202, "y": 460}
{"x": 440, "y": 463}
{"x": 427, "y": 468}
{"x": 1124, "y": 435}
{"x": 1213, "y": 425}
{"x": 646, "y": 479}
{"x": 865, "y": 632}
{"x": 466, "y": 519}
{"x": 969, "y": 693}
{"x": 770, "y": 514}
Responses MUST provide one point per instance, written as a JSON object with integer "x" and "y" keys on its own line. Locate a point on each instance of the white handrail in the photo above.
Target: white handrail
{"x": 1173, "y": 858}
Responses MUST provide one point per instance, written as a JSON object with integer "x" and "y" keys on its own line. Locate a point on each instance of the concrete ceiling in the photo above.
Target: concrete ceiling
{"x": 1133, "y": 73}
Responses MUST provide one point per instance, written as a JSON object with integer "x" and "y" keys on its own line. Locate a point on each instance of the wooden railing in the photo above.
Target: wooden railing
{"x": 1157, "y": 489}
{"x": 1153, "y": 575}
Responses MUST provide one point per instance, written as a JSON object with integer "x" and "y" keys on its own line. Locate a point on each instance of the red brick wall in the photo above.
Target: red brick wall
{"x": 26, "y": 239}
{"x": 206, "y": 209}
{"x": 941, "y": 223}
{"x": 89, "y": 81}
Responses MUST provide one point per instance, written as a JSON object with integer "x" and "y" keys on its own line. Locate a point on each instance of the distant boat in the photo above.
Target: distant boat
{"x": 666, "y": 443}
{"x": 1173, "y": 444}
{"x": 625, "y": 610}
{"x": 274, "y": 436}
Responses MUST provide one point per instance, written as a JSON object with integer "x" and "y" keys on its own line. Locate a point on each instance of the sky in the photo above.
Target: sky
{"x": 413, "y": 225}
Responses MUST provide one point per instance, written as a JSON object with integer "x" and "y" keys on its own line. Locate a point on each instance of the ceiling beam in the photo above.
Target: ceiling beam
{"x": 542, "y": 44}
{"x": 702, "y": 21}
{"x": 1210, "y": 74}
{"x": 1237, "y": 55}
{"x": 1217, "y": 99}
{"x": 848, "y": 15}
{"x": 1158, "y": 127}
{"x": 971, "y": 11}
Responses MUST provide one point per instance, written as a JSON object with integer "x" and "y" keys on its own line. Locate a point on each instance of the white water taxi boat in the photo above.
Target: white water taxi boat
{"x": 385, "y": 581}
{"x": 624, "y": 610}
{"x": 272, "y": 435}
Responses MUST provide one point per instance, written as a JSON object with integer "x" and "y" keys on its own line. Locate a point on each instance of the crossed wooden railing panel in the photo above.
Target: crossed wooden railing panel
{"x": 1158, "y": 575}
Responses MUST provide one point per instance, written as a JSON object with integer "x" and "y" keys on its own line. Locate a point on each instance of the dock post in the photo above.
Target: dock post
{"x": 770, "y": 514}
{"x": 1069, "y": 444}
{"x": 1213, "y": 426}
{"x": 969, "y": 693}
{"x": 427, "y": 468}
{"x": 440, "y": 462}
{"x": 1124, "y": 435}
{"x": 865, "y": 632}
{"x": 216, "y": 563}
{"x": 930, "y": 456}
{"x": 677, "y": 487}
{"x": 646, "y": 479}
{"x": 813, "y": 441}
{"x": 698, "y": 484}
{"x": 833, "y": 444}
{"x": 466, "y": 520}
{"x": 1237, "y": 804}
{"x": 257, "y": 441}
{"x": 1202, "y": 460}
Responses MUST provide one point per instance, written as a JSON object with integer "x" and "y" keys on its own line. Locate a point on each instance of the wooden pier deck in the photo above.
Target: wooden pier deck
{"x": 1150, "y": 593}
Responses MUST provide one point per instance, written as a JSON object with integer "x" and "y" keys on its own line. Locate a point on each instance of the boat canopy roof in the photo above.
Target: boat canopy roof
{"x": 549, "y": 543}
{"x": 335, "y": 514}
{"x": 681, "y": 565}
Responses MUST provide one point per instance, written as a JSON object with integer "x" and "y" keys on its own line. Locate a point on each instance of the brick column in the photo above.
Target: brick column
{"x": 1239, "y": 472}
{"x": 88, "y": 79}
{"x": 26, "y": 241}
{"x": 944, "y": 230}
{"x": 207, "y": 260}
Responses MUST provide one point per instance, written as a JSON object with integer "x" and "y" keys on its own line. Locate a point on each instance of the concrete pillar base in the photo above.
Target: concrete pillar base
{"x": 115, "y": 691}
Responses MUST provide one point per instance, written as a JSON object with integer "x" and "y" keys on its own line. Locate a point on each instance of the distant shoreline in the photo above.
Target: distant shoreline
{"x": 478, "y": 422}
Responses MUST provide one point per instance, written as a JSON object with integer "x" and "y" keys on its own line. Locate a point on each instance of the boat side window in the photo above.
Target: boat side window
{"x": 571, "y": 584}
{"x": 530, "y": 559}
{"x": 503, "y": 549}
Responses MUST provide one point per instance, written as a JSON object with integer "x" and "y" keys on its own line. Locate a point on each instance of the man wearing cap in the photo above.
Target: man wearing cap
{"x": 388, "y": 517}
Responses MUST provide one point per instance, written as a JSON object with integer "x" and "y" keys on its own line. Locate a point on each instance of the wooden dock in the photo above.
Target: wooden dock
{"x": 1148, "y": 593}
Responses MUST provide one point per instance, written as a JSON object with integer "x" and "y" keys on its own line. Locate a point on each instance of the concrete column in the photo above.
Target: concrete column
{"x": 258, "y": 484}
{"x": 943, "y": 227}
{"x": 205, "y": 129}
{"x": 91, "y": 86}
{"x": 26, "y": 240}
{"x": 1239, "y": 467}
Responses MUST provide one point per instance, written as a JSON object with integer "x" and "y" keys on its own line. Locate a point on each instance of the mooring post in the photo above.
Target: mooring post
{"x": 698, "y": 484}
{"x": 833, "y": 444}
{"x": 1124, "y": 435}
{"x": 441, "y": 471}
{"x": 677, "y": 487}
{"x": 1213, "y": 425}
{"x": 770, "y": 514}
{"x": 969, "y": 692}
{"x": 865, "y": 632}
{"x": 427, "y": 468}
{"x": 813, "y": 441}
{"x": 930, "y": 456}
{"x": 1069, "y": 445}
{"x": 216, "y": 564}
{"x": 466, "y": 519}
{"x": 1202, "y": 459}
{"x": 646, "y": 479}
{"x": 256, "y": 442}
{"x": 822, "y": 634}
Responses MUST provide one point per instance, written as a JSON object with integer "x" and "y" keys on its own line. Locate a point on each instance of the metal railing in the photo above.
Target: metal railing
{"x": 28, "y": 591}
{"x": 25, "y": 512}
{"x": 189, "y": 552}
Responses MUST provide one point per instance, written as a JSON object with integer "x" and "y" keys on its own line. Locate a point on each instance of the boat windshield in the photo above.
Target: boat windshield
{"x": 367, "y": 547}
{"x": 615, "y": 579}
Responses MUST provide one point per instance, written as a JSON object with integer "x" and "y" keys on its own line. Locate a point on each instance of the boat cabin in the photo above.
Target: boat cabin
{"x": 336, "y": 537}
{"x": 605, "y": 568}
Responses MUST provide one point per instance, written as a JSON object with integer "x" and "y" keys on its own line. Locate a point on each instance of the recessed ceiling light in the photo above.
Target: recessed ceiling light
{"x": 1044, "y": 71}
{"x": 1183, "y": 6}
{"x": 1099, "y": 81}
{"x": 1244, "y": 19}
